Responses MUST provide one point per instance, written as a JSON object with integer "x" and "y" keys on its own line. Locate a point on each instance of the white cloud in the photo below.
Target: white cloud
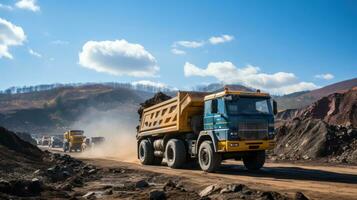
{"x": 60, "y": 42}
{"x": 327, "y": 76}
{"x": 220, "y": 39}
{"x": 34, "y": 53}
{"x": 10, "y": 35}
{"x": 150, "y": 83}
{"x": 188, "y": 44}
{"x": 227, "y": 72}
{"x": 6, "y": 7}
{"x": 118, "y": 58}
{"x": 28, "y": 5}
{"x": 214, "y": 40}
{"x": 178, "y": 51}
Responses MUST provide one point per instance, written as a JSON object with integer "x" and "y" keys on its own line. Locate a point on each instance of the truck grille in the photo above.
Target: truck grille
{"x": 253, "y": 130}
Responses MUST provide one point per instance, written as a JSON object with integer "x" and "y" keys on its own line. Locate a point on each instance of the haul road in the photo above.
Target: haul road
{"x": 208, "y": 127}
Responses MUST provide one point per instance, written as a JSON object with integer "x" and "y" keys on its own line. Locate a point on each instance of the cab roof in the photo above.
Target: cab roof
{"x": 235, "y": 92}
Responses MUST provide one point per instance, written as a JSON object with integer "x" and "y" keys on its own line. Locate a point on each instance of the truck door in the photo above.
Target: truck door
{"x": 208, "y": 116}
{"x": 214, "y": 109}
{"x": 220, "y": 121}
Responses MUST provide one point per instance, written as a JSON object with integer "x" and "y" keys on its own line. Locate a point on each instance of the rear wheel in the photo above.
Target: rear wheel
{"x": 208, "y": 159}
{"x": 175, "y": 153}
{"x": 254, "y": 160}
{"x": 146, "y": 153}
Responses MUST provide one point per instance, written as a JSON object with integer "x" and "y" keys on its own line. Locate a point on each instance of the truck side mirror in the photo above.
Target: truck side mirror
{"x": 275, "y": 107}
{"x": 214, "y": 106}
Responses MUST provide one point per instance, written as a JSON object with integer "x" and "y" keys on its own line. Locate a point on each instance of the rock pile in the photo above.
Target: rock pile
{"x": 240, "y": 191}
{"x": 26, "y": 171}
{"x": 64, "y": 174}
{"x": 325, "y": 130}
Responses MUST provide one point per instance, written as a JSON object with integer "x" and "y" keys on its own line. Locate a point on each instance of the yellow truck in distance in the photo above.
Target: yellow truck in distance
{"x": 73, "y": 140}
{"x": 209, "y": 127}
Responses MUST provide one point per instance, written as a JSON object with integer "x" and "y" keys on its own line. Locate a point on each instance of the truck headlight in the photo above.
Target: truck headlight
{"x": 234, "y": 133}
{"x": 271, "y": 135}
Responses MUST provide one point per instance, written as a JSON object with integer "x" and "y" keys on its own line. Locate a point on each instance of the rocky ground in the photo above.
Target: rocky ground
{"x": 28, "y": 173}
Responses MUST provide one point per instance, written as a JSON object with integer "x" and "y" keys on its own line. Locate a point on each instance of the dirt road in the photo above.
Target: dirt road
{"x": 317, "y": 182}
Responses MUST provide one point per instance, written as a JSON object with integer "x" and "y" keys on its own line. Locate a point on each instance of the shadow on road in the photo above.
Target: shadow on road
{"x": 293, "y": 173}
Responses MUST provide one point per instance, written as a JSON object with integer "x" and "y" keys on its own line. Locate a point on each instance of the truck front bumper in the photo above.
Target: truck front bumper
{"x": 251, "y": 145}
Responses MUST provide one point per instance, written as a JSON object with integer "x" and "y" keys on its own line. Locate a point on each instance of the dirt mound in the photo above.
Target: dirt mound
{"x": 13, "y": 142}
{"x": 157, "y": 98}
{"x": 314, "y": 139}
{"x": 324, "y": 130}
{"x": 26, "y": 137}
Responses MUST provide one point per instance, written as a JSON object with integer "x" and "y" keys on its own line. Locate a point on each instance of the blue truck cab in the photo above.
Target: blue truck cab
{"x": 240, "y": 126}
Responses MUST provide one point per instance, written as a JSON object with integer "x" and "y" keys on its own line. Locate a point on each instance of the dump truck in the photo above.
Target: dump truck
{"x": 208, "y": 127}
{"x": 72, "y": 140}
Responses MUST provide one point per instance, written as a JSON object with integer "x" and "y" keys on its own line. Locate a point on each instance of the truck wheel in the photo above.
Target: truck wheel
{"x": 208, "y": 159}
{"x": 254, "y": 160}
{"x": 146, "y": 153}
{"x": 175, "y": 153}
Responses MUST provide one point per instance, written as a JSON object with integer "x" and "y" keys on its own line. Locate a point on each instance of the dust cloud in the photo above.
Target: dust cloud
{"x": 117, "y": 126}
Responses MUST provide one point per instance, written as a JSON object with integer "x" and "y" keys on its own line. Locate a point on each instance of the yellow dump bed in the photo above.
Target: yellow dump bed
{"x": 172, "y": 115}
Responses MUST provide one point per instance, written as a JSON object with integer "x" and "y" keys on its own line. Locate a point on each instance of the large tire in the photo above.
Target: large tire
{"x": 146, "y": 153}
{"x": 208, "y": 159}
{"x": 254, "y": 160}
{"x": 175, "y": 153}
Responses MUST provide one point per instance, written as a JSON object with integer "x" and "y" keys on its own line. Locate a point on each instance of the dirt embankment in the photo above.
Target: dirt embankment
{"x": 325, "y": 130}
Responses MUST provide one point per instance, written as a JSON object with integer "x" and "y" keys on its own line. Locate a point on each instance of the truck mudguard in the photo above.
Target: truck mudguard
{"x": 203, "y": 136}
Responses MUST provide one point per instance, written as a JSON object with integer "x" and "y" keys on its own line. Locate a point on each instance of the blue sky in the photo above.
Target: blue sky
{"x": 278, "y": 46}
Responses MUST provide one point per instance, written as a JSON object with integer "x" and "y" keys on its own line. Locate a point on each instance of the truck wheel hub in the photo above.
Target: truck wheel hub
{"x": 170, "y": 154}
{"x": 204, "y": 157}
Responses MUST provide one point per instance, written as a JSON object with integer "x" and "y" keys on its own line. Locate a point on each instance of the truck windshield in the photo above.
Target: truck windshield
{"x": 76, "y": 133}
{"x": 248, "y": 105}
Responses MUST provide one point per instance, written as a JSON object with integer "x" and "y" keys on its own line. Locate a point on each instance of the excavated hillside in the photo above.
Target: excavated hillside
{"x": 327, "y": 130}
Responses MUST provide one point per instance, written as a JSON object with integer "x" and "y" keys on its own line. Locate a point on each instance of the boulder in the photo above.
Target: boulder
{"x": 232, "y": 188}
{"x": 141, "y": 184}
{"x": 157, "y": 195}
{"x": 89, "y": 195}
{"x": 108, "y": 191}
{"x": 4, "y": 186}
{"x": 300, "y": 196}
{"x": 209, "y": 190}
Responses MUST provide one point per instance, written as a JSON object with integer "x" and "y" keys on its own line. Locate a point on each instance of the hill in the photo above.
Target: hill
{"x": 55, "y": 110}
{"x": 305, "y": 98}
